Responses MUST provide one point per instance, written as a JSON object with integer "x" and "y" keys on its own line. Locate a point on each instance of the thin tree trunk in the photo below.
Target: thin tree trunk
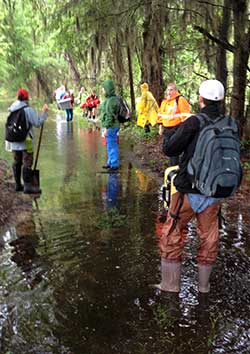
{"x": 43, "y": 83}
{"x": 241, "y": 56}
{"x": 118, "y": 62}
{"x": 131, "y": 79}
{"x": 73, "y": 67}
{"x": 221, "y": 56}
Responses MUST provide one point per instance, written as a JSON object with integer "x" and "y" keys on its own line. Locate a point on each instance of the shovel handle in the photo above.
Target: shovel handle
{"x": 38, "y": 146}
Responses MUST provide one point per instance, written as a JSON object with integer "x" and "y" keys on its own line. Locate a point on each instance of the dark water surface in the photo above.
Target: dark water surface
{"x": 75, "y": 277}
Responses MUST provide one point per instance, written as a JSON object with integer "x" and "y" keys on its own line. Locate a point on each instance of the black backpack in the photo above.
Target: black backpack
{"x": 215, "y": 168}
{"x": 16, "y": 127}
{"x": 124, "y": 112}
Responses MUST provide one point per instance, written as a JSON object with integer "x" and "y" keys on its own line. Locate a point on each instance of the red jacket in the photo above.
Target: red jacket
{"x": 91, "y": 102}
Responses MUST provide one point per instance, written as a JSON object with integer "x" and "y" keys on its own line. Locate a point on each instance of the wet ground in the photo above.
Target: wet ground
{"x": 75, "y": 274}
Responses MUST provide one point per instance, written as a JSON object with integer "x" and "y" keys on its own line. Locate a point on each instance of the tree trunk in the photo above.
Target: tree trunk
{"x": 73, "y": 67}
{"x": 118, "y": 62}
{"x": 247, "y": 124}
{"x": 241, "y": 56}
{"x": 151, "y": 56}
{"x": 221, "y": 56}
{"x": 93, "y": 66}
{"x": 43, "y": 83}
{"x": 131, "y": 79}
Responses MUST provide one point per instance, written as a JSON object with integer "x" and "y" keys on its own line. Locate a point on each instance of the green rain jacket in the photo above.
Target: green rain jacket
{"x": 109, "y": 108}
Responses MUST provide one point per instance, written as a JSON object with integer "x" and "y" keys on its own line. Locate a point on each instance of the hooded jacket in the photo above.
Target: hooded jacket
{"x": 147, "y": 108}
{"x": 173, "y": 111}
{"x": 183, "y": 139}
{"x": 32, "y": 119}
{"x": 110, "y": 107}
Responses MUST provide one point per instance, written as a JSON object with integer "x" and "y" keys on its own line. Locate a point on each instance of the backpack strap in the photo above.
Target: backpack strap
{"x": 233, "y": 124}
{"x": 27, "y": 122}
{"x": 176, "y": 215}
{"x": 177, "y": 100}
{"x": 203, "y": 119}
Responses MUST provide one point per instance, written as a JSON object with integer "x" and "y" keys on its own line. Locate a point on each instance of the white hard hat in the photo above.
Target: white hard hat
{"x": 212, "y": 90}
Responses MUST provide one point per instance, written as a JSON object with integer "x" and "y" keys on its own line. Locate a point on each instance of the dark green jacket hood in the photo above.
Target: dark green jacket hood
{"x": 109, "y": 88}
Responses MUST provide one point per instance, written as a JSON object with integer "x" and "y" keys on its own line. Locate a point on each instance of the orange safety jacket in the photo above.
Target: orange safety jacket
{"x": 173, "y": 111}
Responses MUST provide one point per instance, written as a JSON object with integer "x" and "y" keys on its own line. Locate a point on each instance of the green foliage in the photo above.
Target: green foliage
{"x": 213, "y": 331}
{"x": 27, "y": 45}
{"x": 138, "y": 133}
{"x": 163, "y": 318}
{"x": 246, "y": 165}
{"x": 245, "y": 144}
{"x": 112, "y": 219}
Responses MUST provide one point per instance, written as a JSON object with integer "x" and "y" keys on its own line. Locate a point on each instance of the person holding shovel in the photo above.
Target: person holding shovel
{"x": 23, "y": 151}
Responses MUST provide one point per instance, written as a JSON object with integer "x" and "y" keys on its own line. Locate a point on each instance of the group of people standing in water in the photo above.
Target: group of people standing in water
{"x": 180, "y": 130}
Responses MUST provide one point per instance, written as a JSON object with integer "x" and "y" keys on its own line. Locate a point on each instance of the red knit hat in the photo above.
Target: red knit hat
{"x": 23, "y": 94}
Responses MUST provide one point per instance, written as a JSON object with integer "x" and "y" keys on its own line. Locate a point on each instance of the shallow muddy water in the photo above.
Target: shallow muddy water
{"x": 75, "y": 277}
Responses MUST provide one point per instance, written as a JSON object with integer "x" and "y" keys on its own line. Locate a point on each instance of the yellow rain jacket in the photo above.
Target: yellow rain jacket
{"x": 173, "y": 111}
{"x": 147, "y": 108}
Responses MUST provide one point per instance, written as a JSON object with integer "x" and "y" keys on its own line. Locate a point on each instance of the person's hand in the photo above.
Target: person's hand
{"x": 45, "y": 108}
{"x": 105, "y": 132}
{"x": 160, "y": 129}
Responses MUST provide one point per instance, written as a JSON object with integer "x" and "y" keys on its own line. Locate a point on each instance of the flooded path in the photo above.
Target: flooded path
{"x": 75, "y": 277}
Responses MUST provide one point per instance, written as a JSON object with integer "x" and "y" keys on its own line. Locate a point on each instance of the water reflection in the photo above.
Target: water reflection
{"x": 112, "y": 191}
{"x": 27, "y": 259}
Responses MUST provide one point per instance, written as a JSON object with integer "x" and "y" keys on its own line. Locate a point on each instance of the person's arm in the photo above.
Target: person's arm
{"x": 159, "y": 119}
{"x": 177, "y": 139}
{"x": 33, "y": 118}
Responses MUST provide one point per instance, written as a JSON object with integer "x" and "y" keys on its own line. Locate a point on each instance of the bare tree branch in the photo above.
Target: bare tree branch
{"x": 200, "y": 75}
{"x": 212, "y": 4}
{"x": 224, "y": 44}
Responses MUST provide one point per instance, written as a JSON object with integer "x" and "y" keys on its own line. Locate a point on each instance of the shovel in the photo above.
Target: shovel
{"x": 36, "y": 174}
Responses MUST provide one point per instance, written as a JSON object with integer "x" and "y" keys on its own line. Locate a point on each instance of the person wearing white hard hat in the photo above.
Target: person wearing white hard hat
{"x": 188, "y": 202}
{"x": 212, "y": 90}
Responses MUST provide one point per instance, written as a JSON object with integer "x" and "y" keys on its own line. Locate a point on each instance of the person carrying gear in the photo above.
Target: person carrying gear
{"x": 91, "y": 105}
{"x": 147, "y": 109}
{"x": 23, "y": 151}
{"x": 188, "y": 201}
{"x": 174, "y": 110}
{"x": 69, "y": 111}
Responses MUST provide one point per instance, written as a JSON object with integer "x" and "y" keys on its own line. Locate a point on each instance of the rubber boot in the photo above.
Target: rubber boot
{"x": 17, "y": 168}
{"x": 170, "y": 276}
{"x": 28, "y": 186}
{"x": 204, "y": 274}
